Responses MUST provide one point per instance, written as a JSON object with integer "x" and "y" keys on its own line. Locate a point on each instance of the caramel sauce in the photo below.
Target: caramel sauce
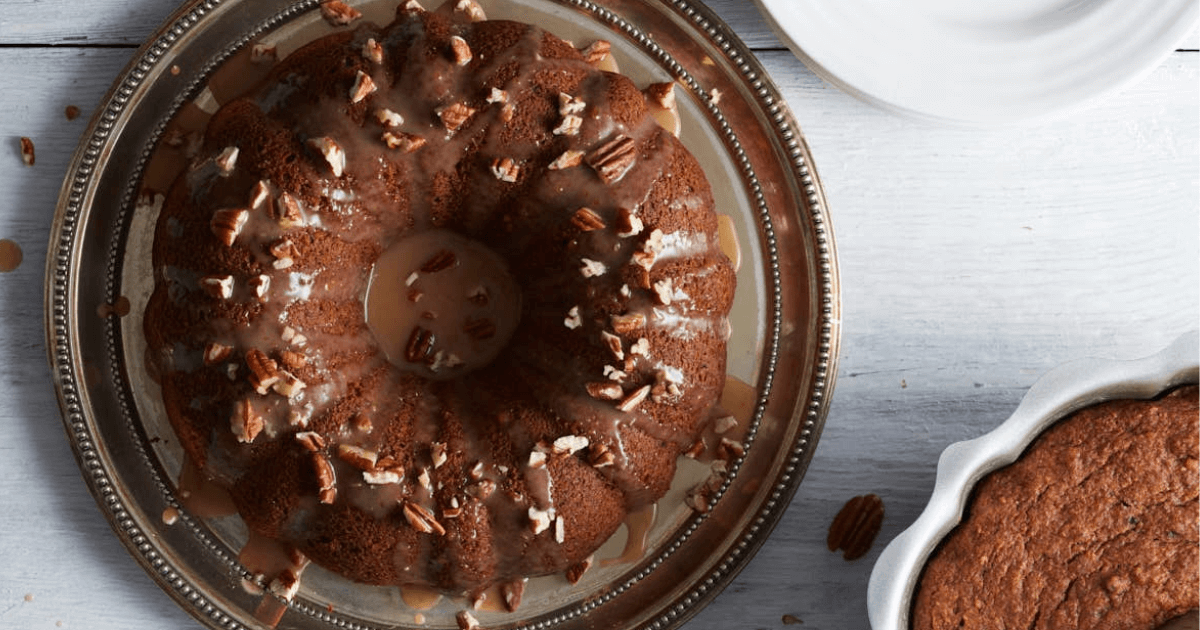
{"x": 10, "y": 255}
{"x": 202, "y": 497}
{"x": 637, "y": 525}
{"x": 441, "y": 304}
{"x": 419, "y": 597}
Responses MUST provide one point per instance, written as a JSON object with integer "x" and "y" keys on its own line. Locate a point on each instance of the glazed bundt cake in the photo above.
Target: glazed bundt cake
{"x": 439, "y": 303}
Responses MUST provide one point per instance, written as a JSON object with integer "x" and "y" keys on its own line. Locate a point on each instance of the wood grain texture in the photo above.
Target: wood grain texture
{"x": 972, "y": 262}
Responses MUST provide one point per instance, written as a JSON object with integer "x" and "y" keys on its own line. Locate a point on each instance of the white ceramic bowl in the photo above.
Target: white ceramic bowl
{"x": 1061, "y": 391}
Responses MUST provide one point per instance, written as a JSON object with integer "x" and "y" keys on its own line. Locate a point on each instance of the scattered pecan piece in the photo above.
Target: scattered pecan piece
{"x": 663, "y": 291}
{"x": 573, "y": 320}
{"x": 628, "y": 323}
{"x": 854, "y": 528}
{"x": 591, "y": 268}
{"x": 512, "y": 592}
{"x": 388, "y": 118}
{"x": 575, "y": 572}
{"x": 420, "y": 345}
{"x": 421, "y": 519}
{"x": 285, "y": 585}
{"x": 628, "y": 223}
{"x": 455, "y": 115}
{"x": 357, "y": 456}
{"x": 496, "y": 95}
{"x": 460, "y": 51}
{"x": 338, "y": 13}
{"x": 569, "y": 126}
{"x": 440, "y": 261}
{"x": 587, "y": 220}
{"x": 569, "y": 158}
{"x": 632, "y": 401}
{"x": 326, "y": 482}
{"x": 405, "y": 142}
{"x": 363, "y": 87}
{"x": 539, "y": 520}
{"x": 604, "y": 390}
{"x": 260, "y": 284}
{"x": 471, "y": 9}
{"x": 600, "y": 456}
{"x": 310, "y": 440}
{"x": 215, "y": 353}
{"x": 663, "y": 94}
{"x": 569, "y": 444}
{"x": 412, "y": 6}
{"x": 505, "y": 169}
{"x": 27, "y": 152}
{"x": 466, "y": 621}
{"x": 568, "y": 105}
{"x": 613, "y": 158}
{"x": 262, "y": 53}
{"x": 226, "y": 160}
{"x": 264, "y": 372}
{"x": 260, "y": 193}
{"x": 220, "y": 287}
{"x": 334, "y": 156}
{"x": 614, "y": 344}
{"x": 372, "y": 51}
{"x": 227, "y": 224}
{"x": 596, "y": 51}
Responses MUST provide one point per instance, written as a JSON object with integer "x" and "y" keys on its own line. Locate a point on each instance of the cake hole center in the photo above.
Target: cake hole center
{"x": 441, "y": 304}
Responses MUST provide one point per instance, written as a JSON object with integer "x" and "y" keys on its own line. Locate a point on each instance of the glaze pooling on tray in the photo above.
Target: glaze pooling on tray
{"x": 430, "y": 464}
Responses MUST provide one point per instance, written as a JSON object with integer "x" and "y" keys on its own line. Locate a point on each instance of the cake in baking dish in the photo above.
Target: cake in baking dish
{"x": 1095, "y": 526}
{"x": 439, "y": 302}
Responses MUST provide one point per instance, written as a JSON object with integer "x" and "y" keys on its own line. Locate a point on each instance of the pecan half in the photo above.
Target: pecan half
{"x": 632, "y": 401}
{"x": 455, "y": 115}
{"x": 246, "y": 423}
{"x": 854, "y": 528}
{"x": 587, "y": 220}
{"x": 420, "y": 345}
{"x": 613, "y": 158}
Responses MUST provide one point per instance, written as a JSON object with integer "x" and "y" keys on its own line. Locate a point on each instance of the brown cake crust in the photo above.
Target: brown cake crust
{"x": 519, "y": 467}
{"x": 1095, "y": 526}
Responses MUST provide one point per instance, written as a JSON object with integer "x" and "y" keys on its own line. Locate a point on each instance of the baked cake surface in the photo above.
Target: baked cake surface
{"x": 548, "y": 336}
{"x": 1095, "y": 526}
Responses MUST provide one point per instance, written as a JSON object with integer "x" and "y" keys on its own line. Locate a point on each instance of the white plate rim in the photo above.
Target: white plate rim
{"x": 1030, "y": 71}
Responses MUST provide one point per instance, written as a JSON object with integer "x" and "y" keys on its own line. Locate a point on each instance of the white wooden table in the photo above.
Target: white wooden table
{"x": 971, "y": 263}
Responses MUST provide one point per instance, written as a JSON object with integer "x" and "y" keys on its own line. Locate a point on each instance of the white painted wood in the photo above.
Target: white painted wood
{"x": 971, "y": 263}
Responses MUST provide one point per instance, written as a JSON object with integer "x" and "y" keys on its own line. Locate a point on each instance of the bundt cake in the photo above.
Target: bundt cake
{"x": 439, "y": 303}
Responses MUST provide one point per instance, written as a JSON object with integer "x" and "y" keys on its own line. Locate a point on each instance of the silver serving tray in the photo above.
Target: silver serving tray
{"x": 786, "y": 317}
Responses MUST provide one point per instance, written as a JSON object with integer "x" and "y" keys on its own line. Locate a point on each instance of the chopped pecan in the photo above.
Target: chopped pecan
{"x": 628, "y": 223}
{"x": 363, "y": 87}
{"x": 569, "y": 126}
{"x": 662, "y": 290}
{"x": 285, "y": 585}
{"x": 220, "y": 287}
{"x": 662, "y": 94}
{"x": 260, "y": 284}
{"x": 587, "y": 220}
{"x": 496, "y": 95}
{"x": 505, "y": 169}
{"x": 466, "y": 621}
{"x": 260, "y": 193}
{"x": 633, "y": 400}
{"x": 326, "y": 481}
{"x": 569, "y": 444}
{"x": 568, "y": 105}
{"x": 246, "y": 423}
{"x": 420, "y": 345}
{"x": 591, "y": 268}
{"x": 471, "y": 9}
{"x": 575, "y": 572}
{"x": 724, "y": 424}
{"x": 27, "y": 151}
{"x": 372, "y": 51}
{"x": 460, "y": 51}
{"x": 596, "y": 51}
{"x": 285, "y": 253}
{"x": 729, "y": 450}
{"x": 215, "y": 353}
{"x": 263, "y": 53}
{"x": 511, "y": 592}
{"x": 568, "y": 159}
{"x": 604, "y": 390}
{"x": 441, "y": 260}
{"x": 338, "y": 13}
{"x": 226, "y": 160}
{"x": 413, "y": 6}
{"x": 264, "y": 372}
{"x": 382, "y": 476}
{"x": 421, "y": 519}
{"x": 357, "y": 456}
{"x": 573, "y": 320}
{"x": 334, "y": 156}
{"x": 288, "y": 212}
{"x": 600, "y": 456}
{"x": 628, "y": 323}
{"x": 641, "y": 346}
{"x": 613, "y": 158}
{"x": 614, "y": 344}
{"x": 292, "y": 360}
{"x": 227, "y": 224}
{"x": 437, "y": 452}
{"x": 854, "y": 528}
{"x": 388, "y": 118}
{"x": 310, "y": 440}
{"x": 539, "y": 520}
{"x": 405, "y": 142}
{"x": 455, "y": 115}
